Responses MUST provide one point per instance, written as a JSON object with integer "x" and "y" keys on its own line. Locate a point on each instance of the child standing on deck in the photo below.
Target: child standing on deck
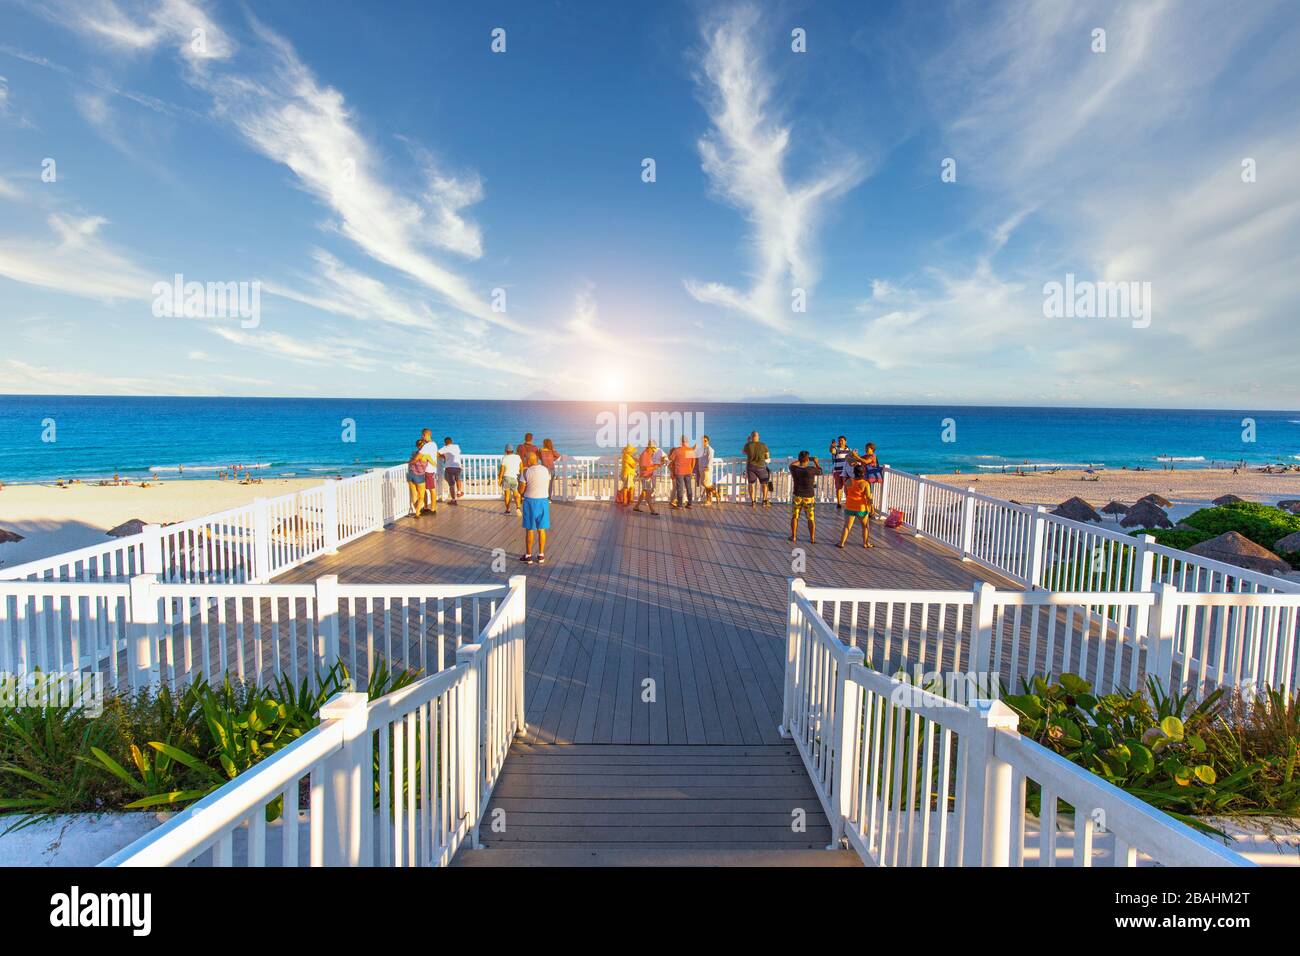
{"x": 857, "y": 507}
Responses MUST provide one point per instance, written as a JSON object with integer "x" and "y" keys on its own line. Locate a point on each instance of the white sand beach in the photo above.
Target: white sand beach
{"x": 1188, "y": 489}
{"x": 53, "y": 520}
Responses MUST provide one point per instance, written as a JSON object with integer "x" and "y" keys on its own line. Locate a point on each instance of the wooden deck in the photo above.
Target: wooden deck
{"x": 694, "y": 601}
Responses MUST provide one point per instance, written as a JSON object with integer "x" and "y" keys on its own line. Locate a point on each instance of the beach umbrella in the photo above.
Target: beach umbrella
{"x": 7, "y": 536}
{"x": 1228, "y": 500}
{"x": 1114, "y": 508}
{"x": 1157, "y": 500}
{"x": 127, "y": 528}
{"x": 1145, "y": 514}
{"x": 1232, "y": 547}
{"x": 1076, "y": 509}
{"x": 1288, "y": 545}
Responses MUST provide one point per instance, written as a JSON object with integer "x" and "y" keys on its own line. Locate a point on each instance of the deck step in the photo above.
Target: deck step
{"x": 687, "y": 855}
{"x": 654, "y": 805}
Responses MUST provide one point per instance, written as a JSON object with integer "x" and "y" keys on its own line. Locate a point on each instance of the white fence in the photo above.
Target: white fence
{"x": 149, "y": 631}
{"x": 911, "y": 778}
{"x": 1189, "y": 642}
{"x": 400, "y": 781}
{"x": 1036, "y": 549}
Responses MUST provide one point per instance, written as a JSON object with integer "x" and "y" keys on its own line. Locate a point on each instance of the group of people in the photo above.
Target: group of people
{"x": 525, "y": 477}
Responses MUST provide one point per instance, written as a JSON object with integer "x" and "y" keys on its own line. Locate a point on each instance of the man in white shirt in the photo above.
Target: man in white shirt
{"x": 508, "y": 478}
{"x": 537, "y": 509}
{"x": 450, "y": 455}
{"x": 429, "y": 452}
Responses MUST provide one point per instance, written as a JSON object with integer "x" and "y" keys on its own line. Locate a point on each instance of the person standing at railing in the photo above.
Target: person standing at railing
{"x": 429, "y": 452}
{"x": 415, "y": 473}
{"x": 803, "y": 475}
{"x": 681, "y": 461}
{"x": 526, "y": 447}
{"x": 450, "y": 455}
{"x": 871, "y": 468}
{"x": 840, "y": 465}
{"x": 537, "y": 508}
{"x": 508, "y": 478}
{"x": 547, "y": 456}
{"x": 648, "y": 466}
{"x": 627, "y": 475}
{"x": 756, "y": 470}
{"x": 857, "y": 506}
{"x": 704, "y": 472}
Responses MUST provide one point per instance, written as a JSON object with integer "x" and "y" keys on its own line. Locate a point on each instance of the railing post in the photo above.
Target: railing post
{"x": 981, "y": 622}
{"x": 848, "y": 734}
{"x": 968, "y": 524}
{"x": 347, "y": 774}
{"x": 986, "y": 829}
{"x": 141, "y": 649}
{"x": 330, "y": 517}
{"x": 519, "y": 583}
{"x": 1037, "y": 541}
{"x": 380, "y": 500}
{"x": 1144, "y": 564}
{"x": 471, "y": 728}
{"x": 153, "y": 549}
{"x": 327, "y": 621}
{"x": 261, "y": 540}
{"x": 919, "y": 522}
{"x": 883, "y": 504}
{"x": 796, "y": 586}
{"x": 1160, "y": 639}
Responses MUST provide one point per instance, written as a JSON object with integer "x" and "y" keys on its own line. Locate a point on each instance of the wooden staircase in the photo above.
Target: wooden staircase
{"x": 654, "y": 805}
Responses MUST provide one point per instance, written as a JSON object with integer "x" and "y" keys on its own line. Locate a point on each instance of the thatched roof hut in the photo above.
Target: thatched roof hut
{"x": 1076, "y": 509}
{"x": 128, "y": 528}
{"x": 1231, "y": 547}
{"x": 1114, "y": 508}
{"x": 1288, "y": 545}
{"x": 1158, "y": 500}
{"x": 1290, "y": 504}
{"x": 6, "y": 536}
{"x": 1228, "y": 500}
{"x": 1146, "y": 514}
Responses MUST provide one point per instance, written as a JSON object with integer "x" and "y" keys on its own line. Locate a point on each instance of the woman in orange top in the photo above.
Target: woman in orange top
{"x": 857, "y": 507}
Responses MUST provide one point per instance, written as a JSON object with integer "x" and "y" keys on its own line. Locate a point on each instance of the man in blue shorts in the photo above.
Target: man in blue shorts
{"x": 536, "y": 486}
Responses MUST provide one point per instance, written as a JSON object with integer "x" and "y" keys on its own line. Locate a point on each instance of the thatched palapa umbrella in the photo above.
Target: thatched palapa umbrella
{"x": 1114, "y": 508}
{"x": 128, "y": 528}
{"x": 1146, "y": 514}
{"x": 1158, "y": 500}
{"x": 1290, "y": 504}
{"x": 6, "y": 536}
{"x": 1228, "y": 500}
{"x": 1076, "y": 509}
{"x": 1288, "y": 545}
{"x": 1232, "y": 547}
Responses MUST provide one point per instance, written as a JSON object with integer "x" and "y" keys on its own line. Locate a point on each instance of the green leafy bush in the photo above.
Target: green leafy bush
{"x": 1214, "y": 758}
{"x": 159, "y": 748}
{"x": 1179, "y": 538}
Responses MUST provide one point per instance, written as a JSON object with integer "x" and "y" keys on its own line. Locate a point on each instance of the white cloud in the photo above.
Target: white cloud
{"x": 320, "y": 349}
{"x": 745, "y": 155}
{"x": 142, "y": 26}
{"x": 77, "y": 261}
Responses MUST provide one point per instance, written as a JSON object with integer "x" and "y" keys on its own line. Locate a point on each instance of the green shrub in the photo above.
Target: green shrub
{"x": 1263, "y": 524}
{"x": 1175, "y": 537}
{"x": 1219, "y": 757}
{"x": 159, "y": 748}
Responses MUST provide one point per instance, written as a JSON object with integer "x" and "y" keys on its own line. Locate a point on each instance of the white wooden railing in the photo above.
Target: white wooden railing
{"x": 910, "y": 778}
{"x": 149, "y": 631}
{"x": 1188, "y": 642}
{"x": 400, "y": 781}
{"x": 1040, "y": 550}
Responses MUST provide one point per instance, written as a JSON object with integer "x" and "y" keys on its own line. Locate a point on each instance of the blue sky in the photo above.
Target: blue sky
{"x": 379, "y": 170}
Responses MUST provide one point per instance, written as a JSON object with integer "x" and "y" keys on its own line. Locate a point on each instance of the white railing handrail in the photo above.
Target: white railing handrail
{"x": 194, "y": 829}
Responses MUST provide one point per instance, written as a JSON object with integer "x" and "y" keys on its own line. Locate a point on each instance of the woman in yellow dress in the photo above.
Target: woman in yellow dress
{"x": 627, "y": 475}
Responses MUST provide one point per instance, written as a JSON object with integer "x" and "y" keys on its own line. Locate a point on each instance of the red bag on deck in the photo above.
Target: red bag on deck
{"x": 895, "y": 519}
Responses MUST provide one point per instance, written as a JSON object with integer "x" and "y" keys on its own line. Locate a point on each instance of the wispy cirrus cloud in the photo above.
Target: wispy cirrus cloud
{"x": 745, "y": 155}
{"x": 76, "y": 259}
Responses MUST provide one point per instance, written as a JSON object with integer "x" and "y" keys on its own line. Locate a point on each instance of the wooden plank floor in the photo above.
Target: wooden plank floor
{"x": 694, "y": 601}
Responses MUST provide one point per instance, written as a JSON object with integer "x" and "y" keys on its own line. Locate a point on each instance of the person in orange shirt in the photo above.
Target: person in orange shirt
{"x": 627, "y": 475}
{"x": 682, "y": 461}
{"x": 857, "y": 507}
{"x": 649, "y": 463}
